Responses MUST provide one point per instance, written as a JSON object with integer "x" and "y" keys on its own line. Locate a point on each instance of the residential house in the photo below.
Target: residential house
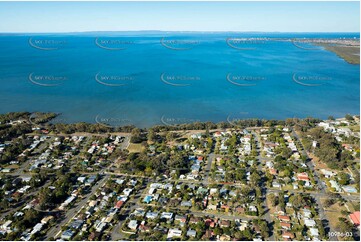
{"x": 284, "y": 218}
{"x": 67, "y": 234}
{"x": 133, "y": 224}
{"x": 174, "y": 233}
{"x": 225, "y": 224}
{"x": 288, "y": 235}
{"x": 355, "y": 218}
{"x": 191, "y": 233}
{"x": 285, "y": 225}
{"x": 151, "y": 215}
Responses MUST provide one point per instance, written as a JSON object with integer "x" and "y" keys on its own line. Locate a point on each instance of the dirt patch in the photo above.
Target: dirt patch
{"x": 135, "y": 148}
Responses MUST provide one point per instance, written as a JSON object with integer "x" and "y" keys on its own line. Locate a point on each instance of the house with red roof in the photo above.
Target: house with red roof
{"x": 303, "y": 176}
{"x": 288, "y": 235}
{"x": 284, "y": 218}
{"x": 210, "y": 222}
{"x": 355, "y": 218}
{"x": 273, "y": 171}
{"x": 285, "y": 225}
{"x": 217, "y": 134}
{"x": 119, "y": 204}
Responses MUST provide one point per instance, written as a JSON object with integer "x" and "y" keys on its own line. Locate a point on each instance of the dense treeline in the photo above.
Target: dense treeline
{"x": 6, "y": 118}
{"x": 41, "y": 118}
{"x": 328, "y": 150}
{"x": 12, "y": 151}
{"x": 302, "y": 124}
{"x": 44, "y": 120}
{"x": 221, "y": 125}
{"x": 8, "y": 132}
{"x": 141, "y": 163}
{"x": 63, "y": 181}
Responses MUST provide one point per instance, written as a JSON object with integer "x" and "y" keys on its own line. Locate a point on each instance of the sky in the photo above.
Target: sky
{"x": 50, "y": 17}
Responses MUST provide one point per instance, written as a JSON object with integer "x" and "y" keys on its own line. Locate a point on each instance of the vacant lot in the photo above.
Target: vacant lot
{"x": 135, "y": 148}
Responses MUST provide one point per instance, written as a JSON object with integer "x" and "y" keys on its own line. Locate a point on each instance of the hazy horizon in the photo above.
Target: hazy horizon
{"x": 289, "y": 17}
{"x": 183, "y": 31}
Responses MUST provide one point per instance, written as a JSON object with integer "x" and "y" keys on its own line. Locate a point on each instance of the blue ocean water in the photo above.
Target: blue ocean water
{"x": 146, "y": 78}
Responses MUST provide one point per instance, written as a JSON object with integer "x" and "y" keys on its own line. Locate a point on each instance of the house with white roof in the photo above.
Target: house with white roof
{"x": 174, "y": 233}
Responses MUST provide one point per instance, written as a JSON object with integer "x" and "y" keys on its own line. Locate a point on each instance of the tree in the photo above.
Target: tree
{"x": 217, "y": 231}
{"x": 345, "y": 212}
{"x": 321, "y": 228}
{"x": 329, "y": 202}
{"x": 151, "y": 135}
{"x": 136, "y": 136}
{"x": 273, "y": 199}
{"x": 209, "y": 143}
{"x": 328, "y": 151}
{"x": 207, "y": 132}
{"x": 281, "y": 201}
{"x": 297, "y": 201}
{"x": 263, "y": 226}
{"x": 255, "y": 178}
{"x": 357, "y": 181}
{"x": 343, "y": 178}
{"x": 349, "y": 117}
{"x": 344, "y": 226}
{"x": 170, "y": 136}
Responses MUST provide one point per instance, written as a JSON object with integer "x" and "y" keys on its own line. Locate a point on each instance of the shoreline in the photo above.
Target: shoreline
{"x": 347, "y": 53}
{"x": 44, "y": 120}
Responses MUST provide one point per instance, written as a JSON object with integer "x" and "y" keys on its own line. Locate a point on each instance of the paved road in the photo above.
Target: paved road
{"x": 321, "y": 187}
{"x": 211, "y": 157}
{"x": 267, "y": 215}
{"x": 354, "y": 198}
{"x": 125, "y": 143}
{"x": 71, "y": 213}
{"x": 124, "y": 213}
{"x": 25, "y": 165}
{"x": 221, "y": 216}
{"x": 27, "y": 197}
{"x": 209, "y": 213}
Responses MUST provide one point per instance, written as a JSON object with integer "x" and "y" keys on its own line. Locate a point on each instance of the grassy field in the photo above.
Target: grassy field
{"x": 334, "y": 212}
{"x": 355, "y": 128}
{"x": 351, "y": 54}
{"x": 13, "y": 166}
{"x": 135, "y": 148}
